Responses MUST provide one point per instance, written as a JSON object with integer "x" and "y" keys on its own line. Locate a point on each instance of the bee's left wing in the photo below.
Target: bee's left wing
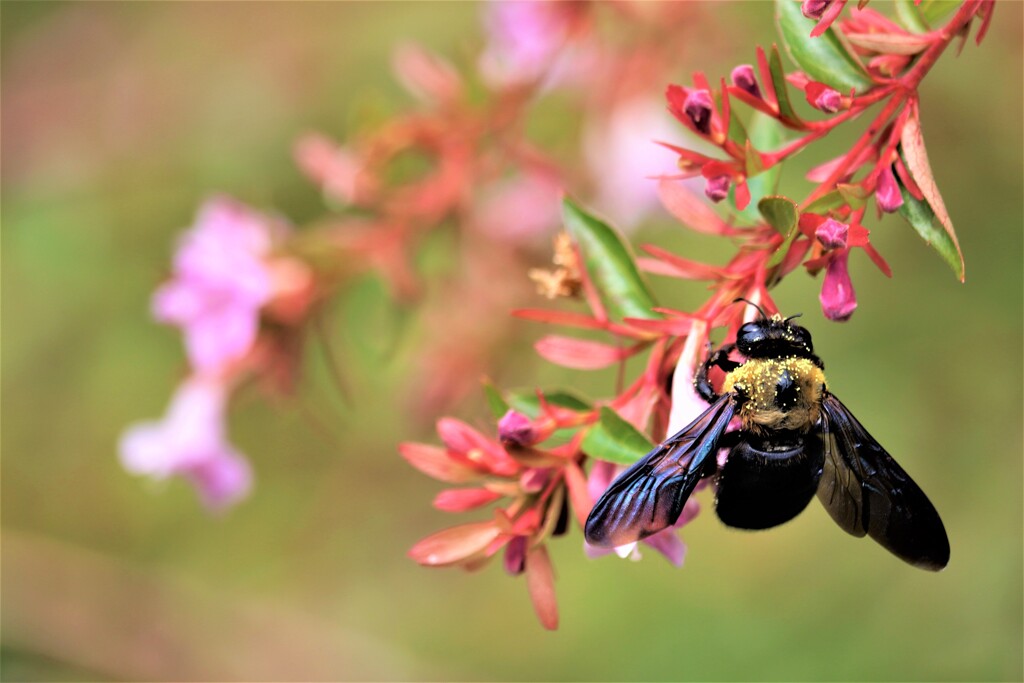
{"x": 866, "y": 492}
{"x": 650, "y": 495}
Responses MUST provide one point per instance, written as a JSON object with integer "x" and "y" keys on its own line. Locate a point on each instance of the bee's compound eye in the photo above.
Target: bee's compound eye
{"x": 748, "y": 335}
{"x": 805, "y": 338}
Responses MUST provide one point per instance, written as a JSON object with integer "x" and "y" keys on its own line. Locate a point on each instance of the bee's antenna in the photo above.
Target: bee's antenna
{"x": 759, "y": 309}
{"x": 793, "y": 316}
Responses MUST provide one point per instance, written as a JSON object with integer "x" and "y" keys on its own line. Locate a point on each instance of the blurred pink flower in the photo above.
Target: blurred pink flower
{"x": 524, "y": 40}
{"x": 520, "y": 209}
{"x": 189, "y": 442}
{"x": 220, "y": 282}
{"x": 625, "y": 161}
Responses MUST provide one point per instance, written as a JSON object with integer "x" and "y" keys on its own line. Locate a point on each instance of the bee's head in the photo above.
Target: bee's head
{"x": 773, "y": 337}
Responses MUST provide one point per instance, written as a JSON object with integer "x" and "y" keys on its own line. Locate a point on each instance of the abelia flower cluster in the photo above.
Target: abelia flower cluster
{"x": 228, "y": 280}
{"x": 887, "y": 162}
{"x": 244, "y": 286}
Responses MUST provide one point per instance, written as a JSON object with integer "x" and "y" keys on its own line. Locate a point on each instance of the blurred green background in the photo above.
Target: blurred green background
{"x": 119, "y": 118}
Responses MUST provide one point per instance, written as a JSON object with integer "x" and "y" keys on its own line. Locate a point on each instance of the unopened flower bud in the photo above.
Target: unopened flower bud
{"x": 887, "y": 191}
{"x": 698, "y": 107}
{"x": 813, "y": 9}
{"x": 828, "y": 100}
{"x": 744, "y": 79}
{"x": 838, "y": 300}
{"x": 515, "y": 556}
{"x": 717, "y": 188}
{"x": 516, "y": 429}
{"x": 832, "y": 234}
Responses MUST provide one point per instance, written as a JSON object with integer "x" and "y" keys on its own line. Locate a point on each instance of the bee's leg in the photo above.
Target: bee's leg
{"x": 720, "y": 359}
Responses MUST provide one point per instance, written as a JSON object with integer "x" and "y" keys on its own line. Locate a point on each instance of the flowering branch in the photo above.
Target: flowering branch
{"x": 534, "y": 466}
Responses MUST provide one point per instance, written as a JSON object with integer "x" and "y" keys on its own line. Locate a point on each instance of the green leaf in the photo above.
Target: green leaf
{"x": 915, "y": 159}
{"x": 933, "y": 10}
{"x": 528, "y": 404}
{"x": 923, "y": 219}
{"x": 495, "y": 402}
{"x": 778, "y": 72}
{"x": 825, "y": 202}
{"x": 824, "y": 58}
{"x": 910, "y": 16}
{"x": 854, "y": 195}
{"x": 610, "y": 263}
{"x": 782, "y": 214}
{"x": 765, "y": 135}
{"x": 615, "y": 440}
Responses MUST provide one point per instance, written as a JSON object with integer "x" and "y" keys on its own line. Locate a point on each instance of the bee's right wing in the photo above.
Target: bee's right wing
{"x": 650, "y": 495}
{"x": 866, "y": 492}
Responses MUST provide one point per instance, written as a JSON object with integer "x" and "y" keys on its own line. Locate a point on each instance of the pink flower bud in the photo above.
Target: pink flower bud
{"x": 813, "y": 9}
{"x": 887, "y": 191}
{"x": 744, "y": 79}
{"x": 838, "y": 300}
{"x": 832, "y": 234}
{"x": 717, "y": 188}
{"x": 515, "y": 556}
{"x": 828, "y": 100}
{"x": 516, "y": 429}
{"x": 698, "y": 107}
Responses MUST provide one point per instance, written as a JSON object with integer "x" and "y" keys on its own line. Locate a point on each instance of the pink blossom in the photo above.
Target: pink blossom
{"x": 743, "y": 78}
{"x": 838, "y": 300}
{"x": 832, "y": 234}
{"x": 625, "y": 162}
{"x": 814, "y": 9}
{"x": 189, "y": 442}
{"x": 520, "y": 209}
{"x": 697, "y": 107}
{"x": 887, "y": 192}
{"x": 524, "y": 39}
{"x": 717, "y": 188}
{"x": 220, "y": 282}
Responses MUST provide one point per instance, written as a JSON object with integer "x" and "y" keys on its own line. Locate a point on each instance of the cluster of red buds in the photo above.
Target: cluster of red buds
{"x": 537, "y": 462}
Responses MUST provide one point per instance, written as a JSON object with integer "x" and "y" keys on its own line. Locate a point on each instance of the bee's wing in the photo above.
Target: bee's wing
{"x": 650, "y": 495}
{"x": 866, "y": 492}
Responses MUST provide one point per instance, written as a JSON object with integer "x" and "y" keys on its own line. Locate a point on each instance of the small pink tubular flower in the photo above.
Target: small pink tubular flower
{"x": 716, "y": 189}
{"x": 887, "y": 192}
{"x": 698, "y": 108}
{"x": 825, "y": 99}
{"x": 624, "y": 162}
{"x": 814, "y": 9}
{"x": 832, "y": 234}
{"x": 743, "y": 78}
{"x": 189, "y": 442}
{"x": 523, "y": 39}
{"x": 220, "y": 282}
{"x": 838, "y": 300}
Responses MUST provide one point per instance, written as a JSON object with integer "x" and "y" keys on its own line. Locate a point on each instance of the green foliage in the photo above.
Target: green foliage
{"x": 824, "y": 58}
{"x": 615, "y": 440}
{"x": 610, "y": 263}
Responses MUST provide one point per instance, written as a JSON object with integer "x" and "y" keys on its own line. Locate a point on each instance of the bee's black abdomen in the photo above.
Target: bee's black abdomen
{"x": 758, "y": 489}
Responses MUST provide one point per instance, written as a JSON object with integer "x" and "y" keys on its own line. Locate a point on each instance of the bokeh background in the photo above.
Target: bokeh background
{"x": 119, "y": 118}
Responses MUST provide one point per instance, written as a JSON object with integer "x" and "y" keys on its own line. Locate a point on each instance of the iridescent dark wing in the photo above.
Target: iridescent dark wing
{"x": 650, "y": 495}
{"x": 866, "y": 492}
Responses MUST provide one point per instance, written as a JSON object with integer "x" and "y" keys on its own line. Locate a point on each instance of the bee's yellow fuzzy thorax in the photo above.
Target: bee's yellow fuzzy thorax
{"x": 757, "y": 379}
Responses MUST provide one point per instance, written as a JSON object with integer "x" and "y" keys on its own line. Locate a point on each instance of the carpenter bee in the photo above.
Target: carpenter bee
{"x": 795, "y": 440}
